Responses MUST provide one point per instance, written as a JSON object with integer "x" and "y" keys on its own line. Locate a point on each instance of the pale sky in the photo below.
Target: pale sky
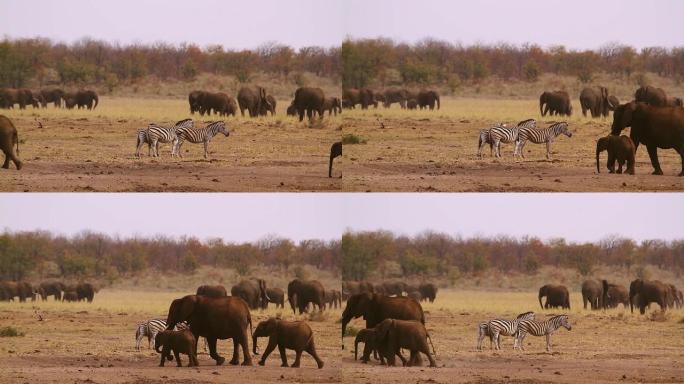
{"x": 248, "y": 24}
{"x": 242, "y": 217}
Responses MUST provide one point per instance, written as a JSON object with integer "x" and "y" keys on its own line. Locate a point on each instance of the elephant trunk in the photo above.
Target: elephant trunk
{"x": 356, "y": 348}
{"x": 540, "y": 302}
{"x": 541, "y": 105}
{"x": 254, "y": 344}
{"x": 157, "y": 347}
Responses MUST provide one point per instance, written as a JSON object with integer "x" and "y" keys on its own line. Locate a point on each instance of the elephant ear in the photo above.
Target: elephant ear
{"x": 181, "y": 310}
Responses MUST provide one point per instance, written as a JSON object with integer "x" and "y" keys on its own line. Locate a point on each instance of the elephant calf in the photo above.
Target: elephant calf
{"x": 70, "y": 296}
{"x": 391, "y": 335}
{"x": 178, "y": 342}
{"x": 295, "y": 335}
{"x": 620, "y": 148}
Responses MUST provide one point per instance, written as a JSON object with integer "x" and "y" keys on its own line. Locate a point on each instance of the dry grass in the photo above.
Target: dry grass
{"x": 437, "y": 151}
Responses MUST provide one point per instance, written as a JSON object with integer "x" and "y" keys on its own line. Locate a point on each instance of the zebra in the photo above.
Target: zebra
{"x": 540, "y": 135}
{"x": 162, "y": 134}
{"x": 542, "y": 328}
{"x": 483, "y": 328}
{"x": 200, "y": 135}
{"x": 505, "y": 134}
{"x": 151, "y": 327}
{"x": 499, "y": 327}
{"x": 485, "y": 138}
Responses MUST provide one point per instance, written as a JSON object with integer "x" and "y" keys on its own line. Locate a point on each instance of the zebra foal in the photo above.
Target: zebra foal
{"x": 542, "y": 328}
{"x": 540, "y": 136}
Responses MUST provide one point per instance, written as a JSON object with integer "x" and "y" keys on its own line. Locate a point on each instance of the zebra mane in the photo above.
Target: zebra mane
{"x": 214, "y": 124}
{"x": 558, "y": 124}
{"x": 182, "y": 121}
{"x": 557, "y": 317}
{"x": 525, "y": 121}
{"x": 520, "y": 316}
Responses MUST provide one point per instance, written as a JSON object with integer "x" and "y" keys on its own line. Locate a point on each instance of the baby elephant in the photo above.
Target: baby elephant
{"x": 391, "y": 335}
{"x": 178, "y": 342}
{"x": 367, "y": 337}
{"x": 295, "y": 335}
{"x": 620, "y": 148}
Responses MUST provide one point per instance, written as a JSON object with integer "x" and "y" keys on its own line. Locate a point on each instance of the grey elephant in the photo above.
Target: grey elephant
{"x": 309, "y": 100}
{"x": 301, "y": 293}
{"x": 597, "y": 101}
{"x": 252, "y": 291}
{"x": 253, "y": 99}
{"x": 391, "y": 335}
{"x": 295, "y": 335}
{"x": 333, "y": 105}
{"x": 556, "y": 296}
{"x": 9, "y": 140}
{"x": 428, "y": 99}
{"x": 555, "y": 103}
{"x": 651, "y": 95}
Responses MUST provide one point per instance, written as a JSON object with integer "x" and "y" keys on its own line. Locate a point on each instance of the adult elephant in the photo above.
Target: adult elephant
{"x": 351, "y": 97}
{"x": 367, "y": 98}
{"x": 428, "y": 99}
{"x": 335, "y": 151}
{"x": 276, "y": 296}
{"x": 555, "y": 103}
{"x": 51, "y": 288}
{"x": 212, "y": 290}
{"x": 615, "y": 294}
{"x": 195, "y": 101}
{"x": 53, "y": 95}
{"x": 333, "y": 105}
{"x": 655, "y": 127}
{"x": 86, "y": 291}
{"x": 11, "y": 289}
{"x": 597, "y": 101}
{"x": 252, "y": 291}
{"x": 26, "y": 97}
{"x": 592, "y": 293}
{"x": 556, "y": 296}
{"x": 428, "y": 291}
{"x": 394, "y": 288}
{"x": 301, "y": 293}
{"x": 215, "y": 318}
{"x": 86, "y": 99}
{"x": 350, "y": 288}
{"x": 396, "y": 95}
{"x": 9, "y": 140}
{"x": 268, "y": 107}
{"x": 218, "y": 103}
{"x": 8, "y": 97}
{"x": 375, "y": 308}
{"x": 647, "y": 292}
{"x": 253, "y": 99}
{"x": 651, "y": 95}
{"x": 309, "y": 100}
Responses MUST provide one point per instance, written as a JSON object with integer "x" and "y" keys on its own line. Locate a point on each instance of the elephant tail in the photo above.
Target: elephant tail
{"x": 540, "y": 302}
{"x": 541, "y": 105}
{"x": 432, "y": 345}
{"x": 438, "y": 104}
{"x": 15, "y": 137}
{"x": 96, "y": 102}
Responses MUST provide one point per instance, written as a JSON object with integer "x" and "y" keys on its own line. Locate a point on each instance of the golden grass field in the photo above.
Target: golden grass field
{"x": 80, "y": 150}
{"x": 437, "y": 151}
{"x": 94, "y": 343}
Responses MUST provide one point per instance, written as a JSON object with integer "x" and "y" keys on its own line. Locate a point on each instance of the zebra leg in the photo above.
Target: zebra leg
{"x": 548, "y": 342}
{"x": 480, "y": 337}
{"x": 206, "y": 149}
{"x": 548, "y": 150}
{"x": 497, "y": 148}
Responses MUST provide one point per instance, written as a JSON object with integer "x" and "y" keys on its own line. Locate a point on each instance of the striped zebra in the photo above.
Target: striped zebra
{"x": 154, "y": 134}
{"x": 506, "y": 134}
{"x": 485, "y": 138}
{"x": 151, "y": 327}
{"x": 200, "y": 135}
{"x": 483, "y": 329}
{"x": 539, "y": 136}
{"x": 498, "y": 327}
{"x": 542, "y": 328}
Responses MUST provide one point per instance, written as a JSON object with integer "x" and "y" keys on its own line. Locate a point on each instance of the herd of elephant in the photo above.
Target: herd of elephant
{"x": 600, "y": 294}
{"x": 407, "y": 99}
{"x": 23, "y": 290}
{"x": 257, "y": 102}
{"x": 24, "y": 97}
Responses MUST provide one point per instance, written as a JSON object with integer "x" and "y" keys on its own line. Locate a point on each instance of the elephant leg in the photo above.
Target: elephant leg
{"x": 681, "y": 154}
{"x": 163, "y": 356}
{"x": 269, "y": 348}
{"x": 301, "y": 114}
{"x": 611, "y": 162}
{"x": 283, "y": 356}
{"x": 7, "y": 160}
{"x": 309, "y": 114}
{"x": 235, "y": 360}
{"x": 213, "y": 352}
{"x": 177, "y": 356}
{"x": 620, "y": 164}
{"x": 245, "y": 348}
{"x": 298, "y": 358}
{"x": 311, "y": 350}
{"x": 653, "y": 154}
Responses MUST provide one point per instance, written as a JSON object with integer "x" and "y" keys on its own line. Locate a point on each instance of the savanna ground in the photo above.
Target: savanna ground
{"x": 602, "y": 347}
{"x": 414, "y": 151}
{"x": 80, "y": 150}
{"x": 95, "y": 343}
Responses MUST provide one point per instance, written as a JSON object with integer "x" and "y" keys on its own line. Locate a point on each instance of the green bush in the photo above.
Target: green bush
{"x": 10, "y": 331}
{"x": 351, "y": 138}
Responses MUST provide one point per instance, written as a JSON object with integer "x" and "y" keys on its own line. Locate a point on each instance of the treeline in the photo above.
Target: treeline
{"x": 42, "y": 254}
{"x": 88, "y": 61}
{"x": 383, "y": 62}
{"x": 381, "y": 254}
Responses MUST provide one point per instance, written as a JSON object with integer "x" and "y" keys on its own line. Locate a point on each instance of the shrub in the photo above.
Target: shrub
{"x": 10, "y": 331}
{"x": 351, "y": 331}
{"x": 351, "y": 138}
